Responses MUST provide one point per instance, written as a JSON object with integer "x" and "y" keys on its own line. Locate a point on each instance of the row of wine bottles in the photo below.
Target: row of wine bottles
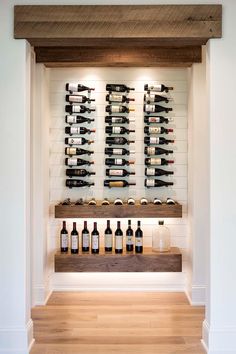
{"x": 92, "y": 240}
{"x": 119, "y": 201}
{"x": 117, "y": 140}
{"x": 148, "y": 150}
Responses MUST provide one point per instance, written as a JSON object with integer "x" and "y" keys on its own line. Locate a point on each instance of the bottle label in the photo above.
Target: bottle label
{"x": 72, "y": 87}
{"x": 150, "y": 98}
{"x": 71, "y": 119}
{"x": 76, "y": 109}
{"x": 154, "y": 119}
{"x": 115, "y": 172}
{"x": 150, "y": 172}
{"x": 64, "y": 240}
{"x": 74, "y": 242}
{"x": 95, "y": 242}
{"x": 150, "y": 108}
{"x": 115, "y": 98}
{"x": 119, "y": 242}
{"x": 116, "y": 184}
{"x": 138, "y": 241}
{"x": 150, "y": 182}
{"x": 129, "y": 240}
{"x": 71, "y": 151}
{"x": 75, "y": 141}
{"x": 155, "y": 161}
{"x": 72, "y": 162}
{"x": 74, "y": 130}
{"x": 117, "y": 120}
{"x": 115, "y": 109}
{"x": 117, "y": 151}
{"x": 118, "y": 141}
{"x": 154, "y": 130}
{"x": 77, "y": 99}
{"x": 116, "y": 130}
{"x": 156, "y": 88}
{"x": 85, "y": 240}
{"x": 154, "y": 140}
{"x": 151, "y": 151}
{"x": 108, "y": 240}
{"x": 118, "y": 162}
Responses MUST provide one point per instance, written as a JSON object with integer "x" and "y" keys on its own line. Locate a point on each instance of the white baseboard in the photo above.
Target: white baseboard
{"x": 41, "y": 294}
{"x": 218, "y": 340}
{"x": 16, "y": 340}
{"x": 196, "y": 295}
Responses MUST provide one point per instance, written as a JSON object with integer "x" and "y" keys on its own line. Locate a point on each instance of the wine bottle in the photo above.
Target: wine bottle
{"x": 170, "y": 201}
{"x": 118, "y": 201}
{"x": 118, "y": 120}
{"x": 152, "y": 161}
{"x": 139, "y": 239}
{"x": 78, "y": 141}
{"x": 117, "y": 162}
{"x": 155, "y": 108}
{"x": 78, "y": 130}
{"x": 129, "y": 238}
{"x": 118, "y": 109}
{"x": 72, "y": 151}
{"x": 150, "y": 98}
{"x": 74, "y": 108}
{"x": 118, "y": 151}
{"x": 156, "y": 183}
{"x": 66, "y": 202}
{"x": 78, "y": 183}
{"x": 64, "y": 238}
{"x": 92, "y": 202}
{"x": 108, "y": 238}
{"x": 73, "y": 161}
{"x": 155, "y": 141}
{"x": 95, "y": 239}
{"x": 118, "y": 88}
{"x": 105, "y": 202}
{"x": 78, "y": 99}
{"x": 111, "y": 172}
{"x": 157, "y": 130}
{"x": 118, "y": 130}
{"x": 79, "y": 201}
{"x": 118, "y": 140}
{"x": 144, "y": 201}
{"x": 118, "y": 183}
{"x": 151, "y": 151}
{"x": 157, "y": 201}
{"x": 159, "y": 119}
{"x": 131, "y": 201}
{"x": 70, "y": 119}
{"x": 151, "y": 171}
{"x": 85, "y": 238}
{"x": 74, "y": 239}
{"x": 114, "y": 97}
{"x": 118, "y": 239}
{"x": 72, "y": 87}
{"x": 157, "y": 88}
{"x": 71, "y": 172}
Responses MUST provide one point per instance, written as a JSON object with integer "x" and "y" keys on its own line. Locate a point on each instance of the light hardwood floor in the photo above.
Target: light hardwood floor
{"x": 126, "y": 323}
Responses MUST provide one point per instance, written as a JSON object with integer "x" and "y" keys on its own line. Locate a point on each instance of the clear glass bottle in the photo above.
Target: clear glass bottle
{"x": 161, "y": 238}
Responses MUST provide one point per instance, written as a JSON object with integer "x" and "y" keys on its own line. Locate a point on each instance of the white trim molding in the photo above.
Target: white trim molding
{"x": 196, "y": 295}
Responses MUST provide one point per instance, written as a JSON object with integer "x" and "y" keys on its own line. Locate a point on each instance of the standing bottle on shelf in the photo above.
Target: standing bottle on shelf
{"x": 118, "y": 109}
{"x": 70, "y": 119}
{"x": 129, "y": 238}
{"x": 95, "y": 239}
{"x": 161, "y": 239}
{"x": 118, "y": 88}
{"x": 74, "y": 239}
{"x": 157, "y": 88}
{"x": 64, "y": 240}
{"x": 85, "y": 238}
{"x": 72, "y": 87}
{"x": 108, "y": 237}
{"x": 155, "y": 108}
{"x": 139, "y": 239}
{"x": 118, "y": 239}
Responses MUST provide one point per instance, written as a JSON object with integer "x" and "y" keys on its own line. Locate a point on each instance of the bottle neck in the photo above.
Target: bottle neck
{"x": 108, "y": 224}
{"x": 85, "y": 224}
{"x": 64, "y": 224}
{"x": 95, "y": 226}
{"x": 74, "y": 226}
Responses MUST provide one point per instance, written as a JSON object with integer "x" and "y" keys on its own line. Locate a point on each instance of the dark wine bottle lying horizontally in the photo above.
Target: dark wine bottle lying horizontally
{"x": 155, "y": 108}
{"x": 150, "y": 98}
{"x": 79, "y": 183}
{"x": 151, "y": 171}
{"x": 78, "y": 130}
{"x": 118, "y": 183}
{"x": 158, "y": 119}
{"x": 73, "y": 161}
{"x": 118, "y": 140}
{"x": 116, "y": 97}
{"x": 118, "y": 88}
{"x": 72, "y": 87}
{"x": 117, "y": 162}
{"x": 70, "y": 119}
{"x": 118, "y": 109}
{"x": 74, "y": 108}
{"x": 157, "y": 130}
{"x": 118, "y": 151}
{"x": 76, "y": 172}
{"x": 155, "y": 161}
{"x": 78, "y": 99}
{"x": 78, "y": 141}
{"x": 118, "y": 130}
{"x": 157, "y": 88}
{"x": 110, "y": 172}
{"x": 156, "y": 183}
{"x": 156, "y": 141}
{"x": 152, "y": 151}
{"x": 118, "y": 120}
{"x": 71, "y": 151}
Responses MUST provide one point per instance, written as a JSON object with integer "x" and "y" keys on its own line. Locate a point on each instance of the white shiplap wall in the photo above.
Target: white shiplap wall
{"x": 133, "y": 77}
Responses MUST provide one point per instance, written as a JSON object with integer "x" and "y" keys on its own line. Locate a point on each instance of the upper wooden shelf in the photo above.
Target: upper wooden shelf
{"x": 118, "y": 211}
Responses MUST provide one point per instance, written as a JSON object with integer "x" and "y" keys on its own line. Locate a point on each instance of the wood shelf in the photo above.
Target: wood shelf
{"x": 148, "y": 261}
{"x": 118, "y": 211}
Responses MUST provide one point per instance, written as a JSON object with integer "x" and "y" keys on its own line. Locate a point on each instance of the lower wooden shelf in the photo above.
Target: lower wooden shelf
{"x": 148, "y": 261}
